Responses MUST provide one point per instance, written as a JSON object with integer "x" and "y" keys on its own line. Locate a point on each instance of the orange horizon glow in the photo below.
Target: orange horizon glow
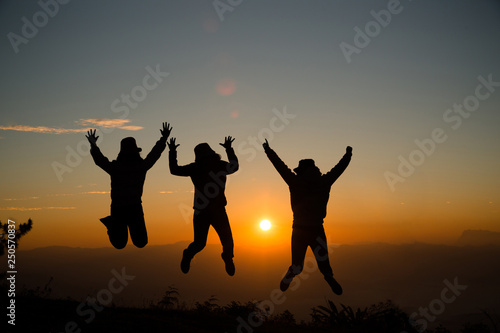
{"x": 171, "y": 222}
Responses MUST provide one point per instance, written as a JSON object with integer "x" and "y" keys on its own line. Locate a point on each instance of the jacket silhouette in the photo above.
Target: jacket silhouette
{"x": 208, "y": 174}
{"x": 128, "y": 173}
{"x": 309, "y": 194}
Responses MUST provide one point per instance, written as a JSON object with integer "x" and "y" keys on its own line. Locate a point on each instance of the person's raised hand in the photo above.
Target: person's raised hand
{"x": 172, "y": 145}
{"x": 165, "y": 131}
{"x": 348, "y": 149}
{"x": 92, "y": 137}
{"x": 265, "y": 144}
{"x": 227, "y": 142}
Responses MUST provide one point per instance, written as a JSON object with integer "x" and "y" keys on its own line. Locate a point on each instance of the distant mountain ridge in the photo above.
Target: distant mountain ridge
{"x": 479, "y": 238}
{"x": 412, "y": 275}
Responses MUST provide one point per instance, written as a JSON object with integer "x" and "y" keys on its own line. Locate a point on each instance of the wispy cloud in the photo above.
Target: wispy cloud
{"x": 23, "y": 209}
{"x": 79, "y": 193}
{"x": 89, "y": 123}
{"x": 56, "y": 195}
{"x": 131, "y": 128}
{"x": 16, "y": 199}
{"x": 61, "y": 194}
{"x": 43, "y": 129}
{"x": 103, "y": 122}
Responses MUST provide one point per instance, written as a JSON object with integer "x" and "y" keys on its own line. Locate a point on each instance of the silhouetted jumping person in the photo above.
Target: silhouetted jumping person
{"x": 128, "y": 173}
{"x": 309, "y": 193}
{"x": 208, "y": 173}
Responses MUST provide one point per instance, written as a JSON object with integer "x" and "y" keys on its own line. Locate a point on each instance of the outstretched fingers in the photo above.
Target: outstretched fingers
{"x": 228, "y": 140}
{"x": 91, "y": 136}
{"x": 166, "y": 129}
{"x": 172, "y": 145}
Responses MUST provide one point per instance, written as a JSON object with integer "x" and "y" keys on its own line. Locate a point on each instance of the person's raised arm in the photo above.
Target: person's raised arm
{"x": 99, "y": 159}
{"x": 176, "y": 169}
{"x": 231, "y": 156}
{"x": 337, "y": 170}
{"x": 159, "y": 147}
{"x": 279, "y": 165}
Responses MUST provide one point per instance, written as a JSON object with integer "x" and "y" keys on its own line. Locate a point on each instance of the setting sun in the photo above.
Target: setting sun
{"x": 265, "y": 225}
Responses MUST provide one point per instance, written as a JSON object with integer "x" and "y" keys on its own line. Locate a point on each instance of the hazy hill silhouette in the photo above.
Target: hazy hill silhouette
{"x": 411, "y": 275}
{"x": 479, "y": 237}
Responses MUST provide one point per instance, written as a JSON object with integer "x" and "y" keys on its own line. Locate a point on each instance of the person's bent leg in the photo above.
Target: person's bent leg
{"x": 201, "y": 224}
{"x": 117, "y": 229}
{"x": 320, "y": 250}
{"x": 118, "y": 236}
{"x": 137, "y": 226}
{"x": 117, "y": 226}
{"x": 223, "y": 229}
{"x": 299, "y": 248}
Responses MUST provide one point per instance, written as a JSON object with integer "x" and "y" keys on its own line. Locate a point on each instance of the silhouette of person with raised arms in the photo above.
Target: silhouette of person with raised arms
{"x": 128, "y": 173}
{"x": 309, "y": 194}
{"x": 208, "y": 174}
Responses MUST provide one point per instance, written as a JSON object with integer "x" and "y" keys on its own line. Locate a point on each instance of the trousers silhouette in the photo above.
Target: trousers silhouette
{"x": 202, "y": 220}
{"x": 131, "y": 217}
{"x": 316, "y": 239}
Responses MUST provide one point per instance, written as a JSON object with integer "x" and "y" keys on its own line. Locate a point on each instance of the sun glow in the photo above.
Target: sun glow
{"x": 265, "y": 225}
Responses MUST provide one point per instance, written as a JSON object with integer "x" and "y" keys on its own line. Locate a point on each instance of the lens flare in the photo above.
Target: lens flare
{"x": 226, "y": 87}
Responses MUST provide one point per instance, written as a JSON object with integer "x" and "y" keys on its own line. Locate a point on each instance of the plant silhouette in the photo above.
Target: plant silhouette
{"x": 128, "y": 173}
{"x": 309, "y": 193}
{"x": 21, "y": 230}
{"x": 170, "y": 299}
{"x": 208, "y": 174}
{"x": 384, "y": 317}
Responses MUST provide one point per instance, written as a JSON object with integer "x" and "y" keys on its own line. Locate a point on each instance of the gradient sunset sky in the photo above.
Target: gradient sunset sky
{"x": 255, "y": 69}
